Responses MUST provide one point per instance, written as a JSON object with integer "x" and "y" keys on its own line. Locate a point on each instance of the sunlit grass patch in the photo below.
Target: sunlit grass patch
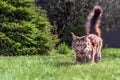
{"x": 60, "y": 67}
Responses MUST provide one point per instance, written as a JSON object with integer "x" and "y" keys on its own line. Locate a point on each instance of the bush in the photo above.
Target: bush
{"x": 23, "y": 30}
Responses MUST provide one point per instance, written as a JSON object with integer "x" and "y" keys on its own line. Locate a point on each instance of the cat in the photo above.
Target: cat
{"x": 88, "y": 47}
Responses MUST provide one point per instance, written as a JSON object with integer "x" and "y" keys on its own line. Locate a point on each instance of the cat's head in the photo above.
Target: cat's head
{"x": 80, "y": 43}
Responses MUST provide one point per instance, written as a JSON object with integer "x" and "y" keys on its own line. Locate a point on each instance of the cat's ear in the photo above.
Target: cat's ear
{"x": 73, "y": 35}
{"x": 86, "y": 36}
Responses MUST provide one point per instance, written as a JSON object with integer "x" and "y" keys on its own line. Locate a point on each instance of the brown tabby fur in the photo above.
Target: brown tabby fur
{"x": 88, "y": 47}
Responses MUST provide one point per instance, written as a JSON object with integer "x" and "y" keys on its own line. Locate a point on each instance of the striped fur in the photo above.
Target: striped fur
{"x": 88, "y": 47}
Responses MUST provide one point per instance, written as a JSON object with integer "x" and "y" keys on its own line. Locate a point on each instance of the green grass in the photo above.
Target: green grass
{"x": 60, "y": 67}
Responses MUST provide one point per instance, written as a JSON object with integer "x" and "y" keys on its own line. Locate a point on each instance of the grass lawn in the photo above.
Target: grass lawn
{"x": 60, "y": 67}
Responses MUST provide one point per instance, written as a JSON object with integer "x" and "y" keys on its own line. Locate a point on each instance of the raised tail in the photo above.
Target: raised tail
{"x": 93, "y": 21}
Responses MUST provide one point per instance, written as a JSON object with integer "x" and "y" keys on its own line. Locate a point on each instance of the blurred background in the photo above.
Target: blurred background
{"x": 39, "y": 26}
{"x": 70, "y": 15}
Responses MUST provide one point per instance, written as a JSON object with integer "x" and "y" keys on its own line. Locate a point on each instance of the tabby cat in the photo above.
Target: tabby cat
{"x": 88, "y": 47}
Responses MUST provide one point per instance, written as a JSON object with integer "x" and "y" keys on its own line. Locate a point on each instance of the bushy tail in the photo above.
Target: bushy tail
{"x": 93, "y": 21}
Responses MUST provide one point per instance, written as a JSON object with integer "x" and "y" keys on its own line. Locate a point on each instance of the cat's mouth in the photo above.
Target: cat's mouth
{"x": 80, "y": 48}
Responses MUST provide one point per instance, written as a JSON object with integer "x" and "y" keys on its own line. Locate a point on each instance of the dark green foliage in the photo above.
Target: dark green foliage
{"x": 77, "y": 27}
{"x": 67, "y": 16}
{"x": 23, "y": 30}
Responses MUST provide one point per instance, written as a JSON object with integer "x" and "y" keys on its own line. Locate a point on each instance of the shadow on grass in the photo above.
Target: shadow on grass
{"x": 58, "y": 64}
